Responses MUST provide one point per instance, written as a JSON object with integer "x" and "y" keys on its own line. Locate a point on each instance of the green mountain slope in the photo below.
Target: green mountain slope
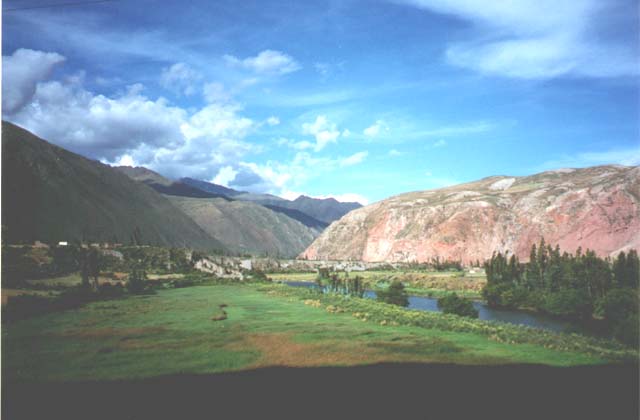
{"x": 247, "y": 227}
{"x": 51, "y": 194}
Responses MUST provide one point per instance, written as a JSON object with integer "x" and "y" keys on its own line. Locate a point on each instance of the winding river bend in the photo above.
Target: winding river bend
{"x": 486, "y": 313}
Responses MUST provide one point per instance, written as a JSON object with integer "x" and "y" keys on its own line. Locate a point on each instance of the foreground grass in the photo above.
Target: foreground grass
{"x": 173, "y": 332}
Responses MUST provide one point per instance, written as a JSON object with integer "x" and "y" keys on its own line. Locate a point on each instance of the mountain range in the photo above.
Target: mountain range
{"x": 51, "y": 195}
{"x": 596, "y": 208}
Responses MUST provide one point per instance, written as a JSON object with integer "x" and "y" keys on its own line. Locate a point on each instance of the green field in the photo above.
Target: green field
{"x": 172, "y": 331}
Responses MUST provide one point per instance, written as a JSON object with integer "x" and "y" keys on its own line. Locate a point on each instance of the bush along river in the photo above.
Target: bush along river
{"x": 486, "y": 313}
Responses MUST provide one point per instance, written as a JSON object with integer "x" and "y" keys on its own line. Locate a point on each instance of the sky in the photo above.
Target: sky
{"x": 356, "y": 100}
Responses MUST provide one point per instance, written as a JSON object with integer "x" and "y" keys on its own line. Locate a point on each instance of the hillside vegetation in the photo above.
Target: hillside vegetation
{"x": 50, "y": 194}
{"x": 247, "y": 227}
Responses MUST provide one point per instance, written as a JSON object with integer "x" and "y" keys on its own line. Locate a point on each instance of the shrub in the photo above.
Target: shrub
{"x": 453, "y": 304}
{"x": 618, "y": 304}
{"x": 620, "y": 309}
{"x": 109, "y": 290}
{"x": 569, "y": 303}
{"x": 492, "y": 293}
{"x": 394, "y": 294}
{"x": 137, "y": 281}
{"x": 627, "y": 330}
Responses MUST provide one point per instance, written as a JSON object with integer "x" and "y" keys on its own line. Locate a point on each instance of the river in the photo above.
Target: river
{"x": 486, "y": 313}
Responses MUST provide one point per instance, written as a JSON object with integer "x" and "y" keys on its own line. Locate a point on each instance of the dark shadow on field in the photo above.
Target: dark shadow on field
{"x": 391, "y": 391}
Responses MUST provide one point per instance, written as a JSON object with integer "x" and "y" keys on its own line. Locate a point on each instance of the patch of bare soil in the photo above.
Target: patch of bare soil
{"x": 278, "y": 349}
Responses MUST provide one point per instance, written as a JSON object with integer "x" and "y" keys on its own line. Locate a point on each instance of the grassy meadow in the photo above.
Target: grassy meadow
{"x": 216, "y": 328}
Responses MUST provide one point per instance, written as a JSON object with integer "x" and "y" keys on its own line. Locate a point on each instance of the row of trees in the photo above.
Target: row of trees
{"x": 331, "y": 283}
{"x": 580, "y": 285}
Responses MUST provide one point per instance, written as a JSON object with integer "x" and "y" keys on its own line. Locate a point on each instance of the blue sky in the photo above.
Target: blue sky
{"x": 359, "y": 100}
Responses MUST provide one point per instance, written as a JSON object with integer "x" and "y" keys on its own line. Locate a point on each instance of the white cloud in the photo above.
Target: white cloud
{"x": 375, "y": 128}
{"x": 452, "y": 130}
{"x": 215, "y": 92}
{"x": 217, "y": 120}
{"x": 302, "y": 145}
{"x": 297, "y": 145}
{"x": 273, "y": 121}
{"x": 323, "y": 130}
{"x": 536, "y": 39}
{"x": 180, "y": 79}
{"x": 21, "y": 73}
{"x": 395, "y": 152}
{"x": 266, "y": 62}
{"x": 131, "y": 127}
{"x": 277, "y": 177}
{"x": 124, "y": 160}
{"x": 346, "y": 133}
{"x": 354, "y": 159}
{"x": 225, "y": 176}
{"x": 96, "y": 125}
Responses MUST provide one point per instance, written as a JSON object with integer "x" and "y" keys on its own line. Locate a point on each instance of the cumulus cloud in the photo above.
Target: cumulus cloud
{"x": 129, "y": 127}
{"x": 217, "y": 120}
{"x": 375, "y": 129}
{"x": 323, "y": 130}
{"x": 22, "y": 71}
{"x": 225, "y": 176}
{"x": 354, "y": 159}
{"x": 99, "y": 126}
{"x": 395, "y": 152}
{"x": 266, "y": 62}
{"x": 279, "y": 178}
{"x": 536, "y": 39}
{"x": 180, "y": 79}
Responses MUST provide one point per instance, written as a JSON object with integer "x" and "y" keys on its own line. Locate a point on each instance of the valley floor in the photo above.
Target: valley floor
{"x": 212, "y": 348}
{"x": 172, "y": 331}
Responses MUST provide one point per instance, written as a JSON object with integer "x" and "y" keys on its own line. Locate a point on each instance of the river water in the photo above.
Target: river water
{"x": 485, "y": 313}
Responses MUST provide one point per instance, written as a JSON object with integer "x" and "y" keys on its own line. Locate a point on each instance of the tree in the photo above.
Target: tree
{"x": 532, "y": 272}
{"x": 137, "y": 280}
{"x": 620, "y": 309}
{"x": 93, "y": 267}
{"x": 453, "y": 304}
{"x": 633, "y": 269}
{"x": 569, "y": 303}
{"x": 394, "y": 294}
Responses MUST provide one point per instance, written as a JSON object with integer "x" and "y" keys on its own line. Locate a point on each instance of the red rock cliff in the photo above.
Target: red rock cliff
{"x": 596, "y": 208}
